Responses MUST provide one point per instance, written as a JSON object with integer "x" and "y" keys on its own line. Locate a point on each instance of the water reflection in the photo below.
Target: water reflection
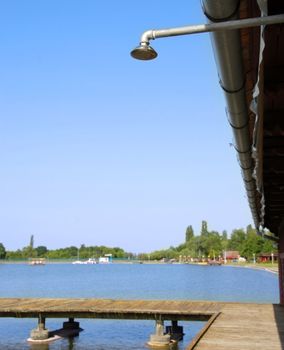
{"x": 39, "y": 346}
{"x": 69, "y": 342}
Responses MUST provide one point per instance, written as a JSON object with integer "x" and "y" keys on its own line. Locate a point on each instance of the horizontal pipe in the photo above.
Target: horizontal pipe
{"x": 212, "y": 27}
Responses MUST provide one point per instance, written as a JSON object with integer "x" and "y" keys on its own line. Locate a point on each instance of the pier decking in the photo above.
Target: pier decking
{"x": 230, "y": 325}
{"x": 245, "y": 327}
{"x": 108, "y": 308}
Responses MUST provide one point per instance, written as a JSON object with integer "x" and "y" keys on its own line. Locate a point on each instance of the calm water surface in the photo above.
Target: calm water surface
{"x": 124, "y": 281}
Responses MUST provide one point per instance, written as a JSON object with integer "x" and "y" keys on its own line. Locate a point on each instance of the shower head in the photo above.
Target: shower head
{"x": 144, "y": 52}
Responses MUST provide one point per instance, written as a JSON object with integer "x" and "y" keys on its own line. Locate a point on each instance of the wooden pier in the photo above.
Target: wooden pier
{"x": 229, "y": 325}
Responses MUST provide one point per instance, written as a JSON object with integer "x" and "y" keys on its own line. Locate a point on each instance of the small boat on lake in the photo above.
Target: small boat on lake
{"x": 36, "y": 261}
{"x": 90, "y": 261}
{"x": 77, "y": 262}
{"x": 214, "y": 262}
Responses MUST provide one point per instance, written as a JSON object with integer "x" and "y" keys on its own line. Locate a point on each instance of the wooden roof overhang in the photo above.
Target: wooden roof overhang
{"x": 267, "y": 125}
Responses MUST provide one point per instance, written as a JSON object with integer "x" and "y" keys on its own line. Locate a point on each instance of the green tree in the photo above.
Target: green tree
{"x": 194, "y": 246}
{"x": 28, "y": 251}
{"x": 210, "y": 244}
{"x": 182, "y": 246}
{"x": 41, "y": 251}
{"x": 32, "y": 242}
{"x": 170, "y": 253}
{"x": 189, "y": 233}
{"x": 18, "y": 254}
{"x": 250, "y": 231}
{"x": 224, "y": 235}
{"x": 269, "y": 246}
{"x": 204, "y": 228}
{"x": 237, "y": 240}
{"x": 224, "y": 240}
{"x": 214, "y": 244}
{"x": 2, "y": 251}
{"x": 252, "y": 245}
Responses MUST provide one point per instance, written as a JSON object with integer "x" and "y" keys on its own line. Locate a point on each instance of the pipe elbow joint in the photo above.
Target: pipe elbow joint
{"x": 147, "y": 36}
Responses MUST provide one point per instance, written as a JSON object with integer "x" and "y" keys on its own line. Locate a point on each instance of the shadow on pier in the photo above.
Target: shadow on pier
{"x": 279, "y": 320}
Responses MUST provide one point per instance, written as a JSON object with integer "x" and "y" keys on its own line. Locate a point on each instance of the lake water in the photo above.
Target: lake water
{"x": 124, "y": 281}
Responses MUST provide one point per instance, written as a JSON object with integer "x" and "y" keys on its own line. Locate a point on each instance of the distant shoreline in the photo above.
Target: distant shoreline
{"x": 271, "y": 269}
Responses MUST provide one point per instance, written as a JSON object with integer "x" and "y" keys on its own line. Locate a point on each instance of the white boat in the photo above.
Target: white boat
{"x": 91, "y": 261}
{"x": 78, "y": 262}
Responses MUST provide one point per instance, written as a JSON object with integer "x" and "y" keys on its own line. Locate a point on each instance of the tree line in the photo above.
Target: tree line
{"x": 72, "y": 252}
{"x": 206, "y": 244}
{"x": 210, "y": 244}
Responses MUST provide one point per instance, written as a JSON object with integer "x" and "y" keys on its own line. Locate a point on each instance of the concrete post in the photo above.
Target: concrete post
{"x": 40, "y": 333}
{"x": 159, "y": 339}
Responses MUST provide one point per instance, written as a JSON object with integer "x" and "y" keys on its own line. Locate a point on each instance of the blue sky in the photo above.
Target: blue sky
{"x": 101, "y": 149}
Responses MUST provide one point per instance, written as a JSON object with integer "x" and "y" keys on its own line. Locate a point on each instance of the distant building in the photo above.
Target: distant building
{"x": 231, "y": 255}
{"x": 106, "y": 259}
{"x": 267, "y": 257}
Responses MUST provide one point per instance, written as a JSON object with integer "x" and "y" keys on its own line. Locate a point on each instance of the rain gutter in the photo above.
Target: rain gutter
{"x": 227, "y": 51}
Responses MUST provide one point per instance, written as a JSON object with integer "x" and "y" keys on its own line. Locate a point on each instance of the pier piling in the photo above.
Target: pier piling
{"x": 159, "y": 339}
{"x": 40, "y": 333}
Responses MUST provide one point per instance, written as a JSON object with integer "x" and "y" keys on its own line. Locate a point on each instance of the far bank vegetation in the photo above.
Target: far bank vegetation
{"x": 206, "y": 243}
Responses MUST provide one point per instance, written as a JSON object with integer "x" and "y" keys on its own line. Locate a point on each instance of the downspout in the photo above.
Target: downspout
{"x": 227, "y": 52}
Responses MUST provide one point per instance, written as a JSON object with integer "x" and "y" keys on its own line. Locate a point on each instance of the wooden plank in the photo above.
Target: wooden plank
{"x": 238, "y": 326}
{"x": 200, "y": 334}
{"x": 246, "y": 327}
{"x": 105, "y": 308}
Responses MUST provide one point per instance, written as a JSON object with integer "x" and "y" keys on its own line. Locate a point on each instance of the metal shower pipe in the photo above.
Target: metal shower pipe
{"x": 212, "y": 27}
{"x": 200, "y": 28}
{"x": 227, "y": 50}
